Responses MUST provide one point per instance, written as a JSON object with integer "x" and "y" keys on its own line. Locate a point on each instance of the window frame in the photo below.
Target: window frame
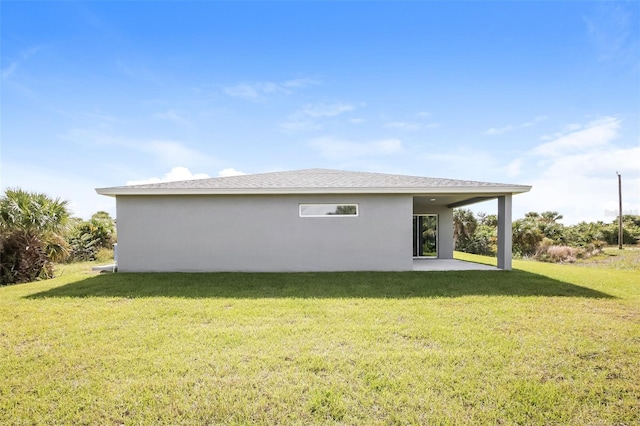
{"x": 419, "y": 242}
{"x": 301, "y": 205}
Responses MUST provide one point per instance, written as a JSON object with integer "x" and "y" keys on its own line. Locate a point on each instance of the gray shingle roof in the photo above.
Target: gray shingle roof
{"x": 314, "y": 181}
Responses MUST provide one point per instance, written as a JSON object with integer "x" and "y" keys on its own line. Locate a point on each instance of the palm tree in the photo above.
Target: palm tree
{"x": 464, "y": 224}
{"x": 31, "y": 234}
{"x": 33, "y": 212}
{"x": 548, "y": 224}
{"x": 550, "y": 216}
{"x": 526, "y": 235}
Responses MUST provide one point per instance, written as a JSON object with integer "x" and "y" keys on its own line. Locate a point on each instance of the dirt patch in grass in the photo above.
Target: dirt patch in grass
{"x": 614, "y": 258}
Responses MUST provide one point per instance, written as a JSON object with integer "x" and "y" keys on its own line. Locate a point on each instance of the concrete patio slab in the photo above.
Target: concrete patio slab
{"x": 105, "y": 268}
{"x": 449, "y": 265}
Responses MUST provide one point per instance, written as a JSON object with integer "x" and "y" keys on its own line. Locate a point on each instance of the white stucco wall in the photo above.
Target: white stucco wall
{"x": 262, "y": 233}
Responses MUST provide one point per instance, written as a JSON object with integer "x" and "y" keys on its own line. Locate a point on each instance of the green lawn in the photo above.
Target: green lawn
{"x": 543, "y": 344}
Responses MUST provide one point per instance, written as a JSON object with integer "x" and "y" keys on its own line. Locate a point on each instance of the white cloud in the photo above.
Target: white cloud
{"x": 183, "y": 173}
{"x": 513, "y": 168}
{"x": 175, "y": 174}
{"x": 326, "y": 110}
{"x": 300, "y": 83}
{"x": 611, "y": 32}
{"x": 9, "y": 69}
{"x": 167, "y": 152}
{"x": 575, "y": 174}
{"x": 339, "y": 149}
{"x": 597, "y": 133}
{"x": 13, "y": 66}
{"x": 403, "y": 125}
{"x": 500, "y": 130}
{"x": 412, "y": 124}
{"x": 245, "y": 91}
{"x": 137, "y": 71}
{"x": 584, "y": 199}
{"x": 305, "y": 118}
{"x": 571, "y": 127}
{"x": 230, "y": 172}
{"x": 259, "y": 91}
{"x": 173, "y": 117}
{"x": 297, "y": 124}
{"x": 511, "y": 127}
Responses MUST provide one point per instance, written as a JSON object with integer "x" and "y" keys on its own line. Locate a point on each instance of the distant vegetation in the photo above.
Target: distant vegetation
{"x": 37, "y": 230}
{"x": 88, "y": 239}
{"x": 541, "y": 236}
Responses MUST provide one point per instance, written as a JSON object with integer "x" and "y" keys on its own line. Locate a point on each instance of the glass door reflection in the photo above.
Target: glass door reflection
{"x": 425, "y": 235}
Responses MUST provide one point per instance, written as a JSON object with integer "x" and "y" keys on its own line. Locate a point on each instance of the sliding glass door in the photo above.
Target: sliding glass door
{"x": 425, "y": 235}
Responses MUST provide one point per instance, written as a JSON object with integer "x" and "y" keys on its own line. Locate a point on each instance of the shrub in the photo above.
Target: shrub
{"x": 549, "y": 252}
{"x": 24, "y": 258}
{"x": 526, "y": 237}
{"x": 534, "y": 234}
{"x": 82, "y": 248}
{"x": 87, "y": 238}
{"x": 479, "y": 243}
{"x": 31, "y": 229}
{"x": 557, "y": 254}
{"x": 104, "y": 255}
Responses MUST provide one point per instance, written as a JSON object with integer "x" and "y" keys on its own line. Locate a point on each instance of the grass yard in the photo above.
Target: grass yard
{"x": 613, "y": 258}
{"x": 543, "y": 344}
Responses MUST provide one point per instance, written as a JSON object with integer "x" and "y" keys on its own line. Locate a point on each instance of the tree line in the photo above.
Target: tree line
{"x": 541, "y": 236}
{"x": 37, "y": 230}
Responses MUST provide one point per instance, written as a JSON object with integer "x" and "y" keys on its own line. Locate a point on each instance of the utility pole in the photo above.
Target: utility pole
{"x": 620, "y": 232}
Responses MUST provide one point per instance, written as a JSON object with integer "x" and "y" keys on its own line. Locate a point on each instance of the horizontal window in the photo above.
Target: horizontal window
{"x": 328, "y": 210}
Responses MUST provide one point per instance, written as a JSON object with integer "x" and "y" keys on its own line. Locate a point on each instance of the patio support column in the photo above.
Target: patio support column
{"x": 505, "y": 236}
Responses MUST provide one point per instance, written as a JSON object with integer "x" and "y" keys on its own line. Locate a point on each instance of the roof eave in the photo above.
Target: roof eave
{"x": 515, "y": 189}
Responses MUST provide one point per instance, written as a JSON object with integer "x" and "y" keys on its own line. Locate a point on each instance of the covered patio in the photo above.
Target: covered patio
{"x": 441, "y": 205}
{"x": 450, "y": 265}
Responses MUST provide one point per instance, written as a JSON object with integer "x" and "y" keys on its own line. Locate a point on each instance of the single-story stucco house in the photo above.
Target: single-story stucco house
{"x": 302, "y": 220}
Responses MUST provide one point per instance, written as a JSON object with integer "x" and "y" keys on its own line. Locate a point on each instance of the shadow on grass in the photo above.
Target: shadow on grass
{"x": 395, "y": 285}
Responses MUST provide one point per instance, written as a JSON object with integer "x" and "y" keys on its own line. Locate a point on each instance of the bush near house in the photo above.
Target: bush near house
{"x": 87, "y": 238}
{"x": 475, "y": 235}
{"x": 540, "y": 236}
{"x": 32, "y": 228}
{"x": 37, "y": 230}
{"x": 24, "y": 258}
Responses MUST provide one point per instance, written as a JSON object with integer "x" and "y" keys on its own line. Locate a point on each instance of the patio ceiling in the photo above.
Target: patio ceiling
{"x": 451, "y": 200}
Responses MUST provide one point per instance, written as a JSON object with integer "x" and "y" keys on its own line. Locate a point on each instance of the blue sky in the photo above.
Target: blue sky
{"x": 98, "y": 94}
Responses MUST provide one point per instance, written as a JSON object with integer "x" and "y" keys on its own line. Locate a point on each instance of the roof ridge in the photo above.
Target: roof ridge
{"x": 316, "y": 180}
